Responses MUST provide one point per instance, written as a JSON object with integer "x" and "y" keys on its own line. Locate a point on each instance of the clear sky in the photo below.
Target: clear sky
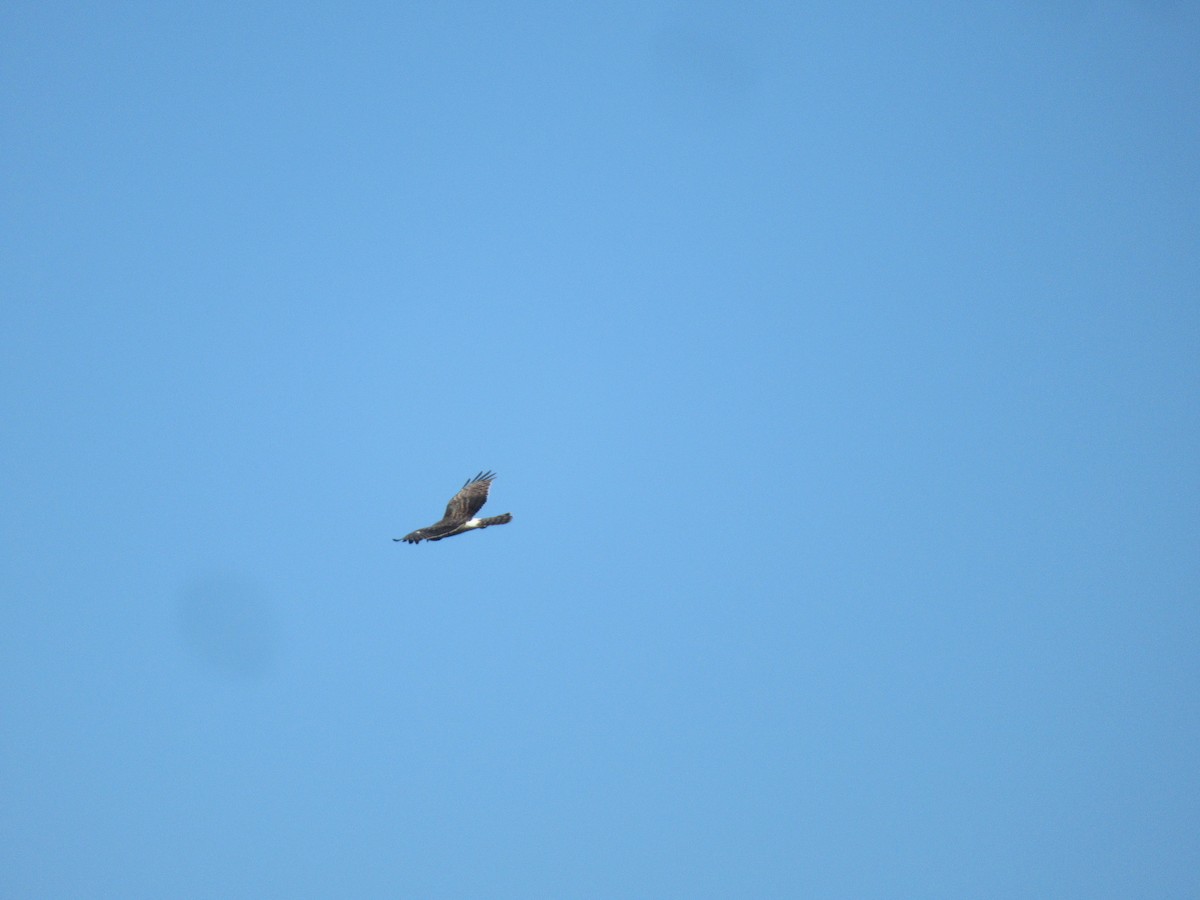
{"x": 840, "y": 364}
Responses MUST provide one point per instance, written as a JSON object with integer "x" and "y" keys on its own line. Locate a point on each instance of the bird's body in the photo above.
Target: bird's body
{"x": 460, "y": 513}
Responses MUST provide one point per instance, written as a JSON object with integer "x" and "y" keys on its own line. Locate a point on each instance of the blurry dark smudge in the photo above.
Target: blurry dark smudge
{"x": 227, "y": 625}
{"x": 709, "y": 63}
{"x": 706, "y": 62}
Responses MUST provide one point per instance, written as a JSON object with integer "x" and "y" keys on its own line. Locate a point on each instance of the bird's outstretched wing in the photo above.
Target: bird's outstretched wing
{"x": 470, "y": 499}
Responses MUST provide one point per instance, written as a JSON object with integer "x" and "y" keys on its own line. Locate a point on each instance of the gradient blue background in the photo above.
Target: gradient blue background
{"x": 841, "y": 365}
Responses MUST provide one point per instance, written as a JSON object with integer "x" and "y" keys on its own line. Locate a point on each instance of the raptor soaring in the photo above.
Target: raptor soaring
{"x": 460, "y": 513}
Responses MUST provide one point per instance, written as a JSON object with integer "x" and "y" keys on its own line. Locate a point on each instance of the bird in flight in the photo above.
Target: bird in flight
{"x": 460, "y": 513}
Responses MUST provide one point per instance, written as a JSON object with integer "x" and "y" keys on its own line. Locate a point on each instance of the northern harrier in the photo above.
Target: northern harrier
{"x": 460, "y": 513}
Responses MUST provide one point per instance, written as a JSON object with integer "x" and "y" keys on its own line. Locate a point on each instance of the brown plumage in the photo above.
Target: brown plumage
{"x": 460, "y": 512}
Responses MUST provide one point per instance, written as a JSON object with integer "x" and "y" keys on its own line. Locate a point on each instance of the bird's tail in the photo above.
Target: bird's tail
{"x": 496, "y": 520}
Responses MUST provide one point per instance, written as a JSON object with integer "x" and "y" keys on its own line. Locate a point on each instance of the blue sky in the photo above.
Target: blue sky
{"x": 840, "y": 366}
